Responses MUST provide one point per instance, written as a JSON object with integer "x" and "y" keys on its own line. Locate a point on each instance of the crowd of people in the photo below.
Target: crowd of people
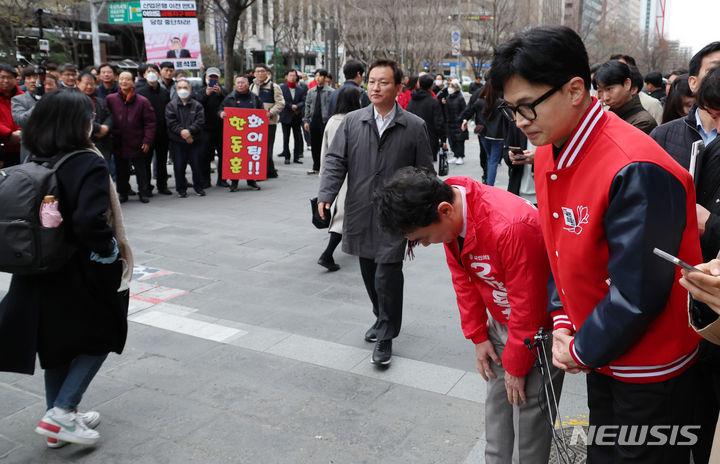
{"x": 615, "y": 163}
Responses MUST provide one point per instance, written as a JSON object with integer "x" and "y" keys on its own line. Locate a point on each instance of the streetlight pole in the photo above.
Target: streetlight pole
{"x": 94, "y": 30}
{"x": 459, "y": 57}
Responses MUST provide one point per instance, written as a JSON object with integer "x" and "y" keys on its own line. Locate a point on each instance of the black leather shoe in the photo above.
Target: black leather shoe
{"x": 287, "y": 160}
{"x": 223, "y": 183}
{"x": 233, "y": 189}
{"x": 165, "y": 191}
{"x": 371, "y": 334}
{"x": 272, "y": 174}
{"x": 144, "y": 199}
{"x": 382, "y": 354}
{"x": 132, "y": 192}
{"x": 328, "y": 263}
{"x": 253, "y": 185}
{"x": 297, "y": 161}
{"x": 200, "y": 193}
{"x": 122, "y": 198}
{"x": 182, "y": 194}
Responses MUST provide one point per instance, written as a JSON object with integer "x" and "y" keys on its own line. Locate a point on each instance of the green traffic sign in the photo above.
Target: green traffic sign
{"x": 124, "y": 12}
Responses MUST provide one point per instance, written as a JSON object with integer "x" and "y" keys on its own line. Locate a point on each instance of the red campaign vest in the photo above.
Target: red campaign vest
{"x": 572, "y": 195}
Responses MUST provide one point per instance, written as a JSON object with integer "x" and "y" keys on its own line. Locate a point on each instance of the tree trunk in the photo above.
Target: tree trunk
{"x": 233, "y": 19}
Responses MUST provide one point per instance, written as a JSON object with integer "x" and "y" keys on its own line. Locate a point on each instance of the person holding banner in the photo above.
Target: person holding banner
{"x": 185, "y": 118}
{"x": 272, "y": 98}
{"x": 241, "y": 97}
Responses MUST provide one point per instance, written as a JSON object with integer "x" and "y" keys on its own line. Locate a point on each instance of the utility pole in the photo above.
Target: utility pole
{"x": 459, "y": 57}
{"x": 94, "y": 13}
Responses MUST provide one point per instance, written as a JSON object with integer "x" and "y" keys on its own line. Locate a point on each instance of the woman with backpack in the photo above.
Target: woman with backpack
{"x": 74, "y": 316}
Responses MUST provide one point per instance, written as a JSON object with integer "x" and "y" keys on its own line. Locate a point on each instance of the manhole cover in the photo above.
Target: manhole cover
{"x": 572, "y": 454}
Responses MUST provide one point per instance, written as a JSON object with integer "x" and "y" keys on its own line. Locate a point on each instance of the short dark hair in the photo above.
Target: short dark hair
{"x": 89, "y": 69}
{"x": 167, "y": 64}
{"x": 174, "y": 38}
{"x": 352, "y": 68}
{"x": 612, "y": 72}
{"x": 654, "y": 78}
{"x": 261, "y": 65}
{"x": 426, "y": 81}
{"x": 29, "y": 71}
{"x": 60, "y": 124}
{"x": 678, "y": 72}
{"x": 636, "y": 79}
{"x": 86, "y": 74}
{"x": 673, "y": 108}
{"x": 629, "y": 60}
{"x": 696, "y": 60}
{"x": 67, "y": 67}
{"x": 7, "y": 68}
{"x": 113, "y": 68}
{"x": 708, "y": 95}
{"x": 142, "y": 67}
{"x": 410, "y": 199}
{"x": 52, "y": 66}
{"x": 441, "y": 76}
{"x": 152, "y": 66}
{"x": 330, "y": 76}
{"x": 293, "y": 70}
{"x": 549, "y": 55}
{"x": 392, "y": 64}
{"x": 51, "y": 77}
{"x": 322, "y": 71}
{"x": 348, "y": 99}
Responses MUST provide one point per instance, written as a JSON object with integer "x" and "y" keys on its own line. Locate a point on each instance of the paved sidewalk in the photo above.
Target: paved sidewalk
{"x": 242, "y": 349}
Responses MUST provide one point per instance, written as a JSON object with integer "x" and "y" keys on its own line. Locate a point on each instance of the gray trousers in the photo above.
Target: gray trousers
{"x": 517, "y": 434}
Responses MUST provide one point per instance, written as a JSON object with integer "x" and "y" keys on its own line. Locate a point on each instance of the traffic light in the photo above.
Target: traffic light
{"x": 27, "y": 45}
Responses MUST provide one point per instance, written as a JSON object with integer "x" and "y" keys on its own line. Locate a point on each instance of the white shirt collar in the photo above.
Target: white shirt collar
{"x": 383, "y": 122}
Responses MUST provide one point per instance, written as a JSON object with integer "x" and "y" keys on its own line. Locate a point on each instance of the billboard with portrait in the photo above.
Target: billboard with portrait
{"x": 171, "y": 33}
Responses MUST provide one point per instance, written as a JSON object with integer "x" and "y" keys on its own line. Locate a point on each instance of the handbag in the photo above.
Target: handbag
{"x": 317, "y": 221}
{"x": 443, "y": 165}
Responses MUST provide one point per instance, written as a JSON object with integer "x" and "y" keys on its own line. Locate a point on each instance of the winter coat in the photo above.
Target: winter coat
{"x": 133, "y": 124}
{"x": 310, "y": 100}
{"x": 102, "y": 92}
{"x": 495, "y": 124}
{"x": 22, "y": 106}
{"x": 7, "y": 124}
{"x": 454, "y": 107}
{"x": 337, "y": 210}
{"x": 404, "y": 98}
{"x": 236, "y": 100}
{"x": 633, "y": 113}
{"x": 179, "y": 116}
{"x": 288, "y": 116}
{"x": 77, "y": 309}
{"x": 159, "y": 99}
{"x": 274, "y": 105}
{"x": 212, "y": 104}
{"x": 103, "y": 117}
{"x": 427, "y": 108}
{"x": 677, "y": 137}
{"x": 369, "y": 160}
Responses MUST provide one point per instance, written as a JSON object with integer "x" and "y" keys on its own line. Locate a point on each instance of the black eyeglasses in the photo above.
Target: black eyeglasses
{"x": 527, "y": 110}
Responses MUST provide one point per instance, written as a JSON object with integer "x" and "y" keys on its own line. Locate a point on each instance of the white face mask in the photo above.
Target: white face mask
{"x": 438, "y": 82}
{"x": 451, "y": 90}
{"x": 152, "y": 77}
{"x": 183, "y": 93}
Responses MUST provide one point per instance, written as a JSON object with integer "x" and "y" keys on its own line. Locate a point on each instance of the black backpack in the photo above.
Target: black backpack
{"x": 27, "y": 246}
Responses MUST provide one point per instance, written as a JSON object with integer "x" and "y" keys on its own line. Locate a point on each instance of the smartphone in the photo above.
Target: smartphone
{"x": 674, "y": 260}
{"x": 519, "y": 153}
{"x": 213, "y": 82}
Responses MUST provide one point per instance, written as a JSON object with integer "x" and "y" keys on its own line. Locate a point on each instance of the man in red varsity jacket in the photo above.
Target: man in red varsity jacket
{"x": 500, "y": 271}
{"x": 608, "y": 195}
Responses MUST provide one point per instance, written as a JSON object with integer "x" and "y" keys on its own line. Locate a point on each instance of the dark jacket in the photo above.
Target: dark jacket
{"x": 77, "y": 309}
{"x": 133, "y": 124}
{"x": 658, "y": 94}
{"x": 633, "y": 113}
{"x": 189, "y": 115}
{"x": 102, "y": 92}
{"x": 368, "y": 160}
{"x": 454, "y": 107}
{"x": 103, "y": 117}
{"x": 474, "y": 110}
{"x": 287, "y": 115}
{"x": 159, "y": 99}
{"x": 364, "y": 99}
{"x": 495, "y": 123}
{"x": 310, "y": 100}
{"x": 677, "y": 137}
{"x": 235, "y": 100}
{"x": 423, "y": 105}
{"x": 212, "y": 104}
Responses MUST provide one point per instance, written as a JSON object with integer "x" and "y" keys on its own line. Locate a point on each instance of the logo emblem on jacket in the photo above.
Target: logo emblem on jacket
{"x": 572, "y": 223}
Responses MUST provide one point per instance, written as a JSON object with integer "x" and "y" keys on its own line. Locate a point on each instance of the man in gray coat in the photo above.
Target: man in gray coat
{"x": 369, "y": 146}
{"x": 317, "y": 115}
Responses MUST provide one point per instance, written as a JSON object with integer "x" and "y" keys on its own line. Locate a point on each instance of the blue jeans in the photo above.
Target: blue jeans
{"x": 65, "y": 385}
{"x": 493, "y": 149}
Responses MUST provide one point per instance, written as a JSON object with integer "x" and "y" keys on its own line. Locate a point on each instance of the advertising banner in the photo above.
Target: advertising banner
{"x": 171, "y": 33}
{"x": 245, "y": 134}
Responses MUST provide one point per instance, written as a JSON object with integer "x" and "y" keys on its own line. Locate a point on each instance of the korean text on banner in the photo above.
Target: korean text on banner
{"x": 245, "y": 134}
{"x": 171, "y": 33}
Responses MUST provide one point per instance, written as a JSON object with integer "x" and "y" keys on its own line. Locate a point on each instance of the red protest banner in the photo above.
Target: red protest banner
{"x": 245, "y": 133}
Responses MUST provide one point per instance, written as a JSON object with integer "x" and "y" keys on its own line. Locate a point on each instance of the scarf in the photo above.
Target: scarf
{"x": 291, "y": 84}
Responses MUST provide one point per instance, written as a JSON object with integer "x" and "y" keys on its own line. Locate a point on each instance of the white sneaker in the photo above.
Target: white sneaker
{"x": 91, "y": 420}
{"x": 452, "y": 160}
{"x": 459, "y": 161}
{"x": 66, "y": 427}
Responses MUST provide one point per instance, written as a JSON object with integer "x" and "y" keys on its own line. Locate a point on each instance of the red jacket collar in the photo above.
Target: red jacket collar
{"x": 581, "y": 135}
